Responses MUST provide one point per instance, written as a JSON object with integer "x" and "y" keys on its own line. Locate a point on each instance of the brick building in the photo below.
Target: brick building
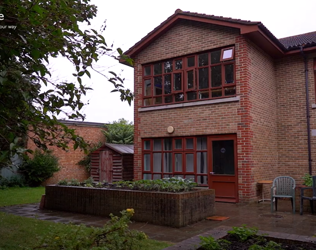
{"x": 223, "y": 101}
{"x": 91, "y": 132}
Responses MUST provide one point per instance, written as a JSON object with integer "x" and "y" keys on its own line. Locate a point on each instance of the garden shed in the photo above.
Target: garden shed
{"x": 112, "y": 162}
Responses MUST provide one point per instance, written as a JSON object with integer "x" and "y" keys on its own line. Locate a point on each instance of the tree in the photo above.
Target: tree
{"x": 32, "y": 33}
{"x": 120, "y": 132}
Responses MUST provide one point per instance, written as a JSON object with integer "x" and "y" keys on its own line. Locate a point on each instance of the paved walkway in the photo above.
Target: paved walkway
{"x": 253, "y": 215}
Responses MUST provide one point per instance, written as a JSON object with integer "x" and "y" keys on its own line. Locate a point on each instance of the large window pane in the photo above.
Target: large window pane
{"x": 202, "y": 179}
{"x": 158, "y": 85}
{"x": 203, "y": 59}
{"x": 177, "y": 81}
{"x": 147, "y": 176}
{"x": 168, "y": 66}
{"x": 178, "y": 162}
{"x": 229, "y": 73}
{"x": 167, "y": 144}
{"x": 201, "y": 143}
{"x": 190, "y": 79}
{"x": 147, "y": 71}
{"x": 157, "y": 145}
{"x": 147, "y": 87}
{"x": 216, "y": 76}
{"x": 167, "y": 84}
{"x": 147, "y": 162}
{"x": 201, "y": 162}
{"x": 178, "y": 64}
{"x": 203, "y": 78}
{"x": 167, "y": 162}
{"x": 157, "y": 69}
{"x": 189, "y": 162}
{"x": 189, "y": 143}
{"x": 147, "y": 145}
{"x": 215, "y": 56}
{"x": 157, "y": 162}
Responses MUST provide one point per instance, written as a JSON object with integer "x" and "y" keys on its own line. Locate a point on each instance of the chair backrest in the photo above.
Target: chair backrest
{"x": 284, "y": 185}
{"x": 314, "y": 186}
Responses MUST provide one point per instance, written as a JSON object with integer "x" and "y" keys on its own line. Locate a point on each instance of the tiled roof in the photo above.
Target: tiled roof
{"x": 121, "y": 148}
{"x": 293, "y": 42}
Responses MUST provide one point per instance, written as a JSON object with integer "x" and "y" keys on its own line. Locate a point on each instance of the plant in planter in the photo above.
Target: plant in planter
{"x": 308, "y": 180}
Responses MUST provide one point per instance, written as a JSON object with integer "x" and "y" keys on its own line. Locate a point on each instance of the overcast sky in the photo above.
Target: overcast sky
{"x": 129, "y": 21}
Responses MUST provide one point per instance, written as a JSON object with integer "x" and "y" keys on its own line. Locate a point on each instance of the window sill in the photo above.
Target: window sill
{"x": 191, "y": 104}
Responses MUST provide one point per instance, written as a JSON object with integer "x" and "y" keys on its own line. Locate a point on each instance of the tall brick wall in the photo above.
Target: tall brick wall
{"x": 68, "y": 160}
{"x": 263, "y": 98}
{"x": 292, "y": 126}
{"x": 190, "y": 37}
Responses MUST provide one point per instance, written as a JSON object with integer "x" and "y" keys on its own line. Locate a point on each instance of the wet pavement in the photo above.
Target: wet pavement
{"x": 253, "y": 215}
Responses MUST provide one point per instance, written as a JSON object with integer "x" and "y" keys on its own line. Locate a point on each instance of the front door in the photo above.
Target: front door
{"x": 106, "y": 166}
{"x": 223, "y": 167}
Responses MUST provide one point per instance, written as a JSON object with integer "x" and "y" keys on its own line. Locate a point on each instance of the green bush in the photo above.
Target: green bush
{"x": 308, "y": 180}
{"x": 115, "y": 235}
{"x": 243, "y": 233}
{"x": 209, "y": 243}
{"x": 39, "y": 168}
{"x": 14, "y": 181}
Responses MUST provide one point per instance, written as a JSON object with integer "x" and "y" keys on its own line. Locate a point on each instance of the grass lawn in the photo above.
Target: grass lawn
{"x": 18, "y": 232}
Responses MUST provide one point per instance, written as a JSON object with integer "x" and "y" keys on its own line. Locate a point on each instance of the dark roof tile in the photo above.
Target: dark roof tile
{"x": 293, "y": 42}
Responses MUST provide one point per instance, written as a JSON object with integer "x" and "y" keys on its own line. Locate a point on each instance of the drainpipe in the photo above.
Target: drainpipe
{"x": 307, "y": 113}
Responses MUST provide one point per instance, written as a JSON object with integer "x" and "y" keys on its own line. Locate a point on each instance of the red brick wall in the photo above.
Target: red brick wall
{"x": 191, "y": 37}
{"x": 68, "y": 160}
{"x": 292, "y": 126}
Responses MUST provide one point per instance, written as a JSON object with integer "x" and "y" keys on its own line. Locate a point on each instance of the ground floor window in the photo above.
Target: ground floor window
{"x": 184, "y": 157}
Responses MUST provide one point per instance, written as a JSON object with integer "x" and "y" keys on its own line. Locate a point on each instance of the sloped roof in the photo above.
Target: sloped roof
{"x": 294, "y": 42}
{"x": 121, "y": 148}
{"x": 254, "y": 30}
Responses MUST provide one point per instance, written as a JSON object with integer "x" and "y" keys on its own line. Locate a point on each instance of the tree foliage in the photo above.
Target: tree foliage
{"x": 120, "y": 132}
{"x": 45, "y": 30}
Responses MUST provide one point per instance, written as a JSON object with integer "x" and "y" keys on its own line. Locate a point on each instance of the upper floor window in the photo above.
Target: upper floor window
{"x": 208, "y": 75}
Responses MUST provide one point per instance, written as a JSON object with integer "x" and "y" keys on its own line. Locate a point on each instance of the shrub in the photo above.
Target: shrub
{"x": 38, "y": 169}
{"x": 14, "y": 181}
{"x": 209, "y": 243}
{"x": 63, "y": 182}
{"x": 308, "y": 180}
{"x": 243, "y": 233}
{"x": 114, "y": 235}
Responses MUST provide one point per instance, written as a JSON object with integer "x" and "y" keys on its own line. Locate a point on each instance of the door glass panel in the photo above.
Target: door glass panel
{"x": 203, "y": 78}
{"x": 216, "y": 76}
{"x": 157, "y": 145}
{"x": 201, "y": 162}
{"x": 189, "y": 162}
{"x": 223, "y": 157}
{"x": 147, "y": 176}
{"x": 201, "y": 143}
{"x": 157, "y": 162}
{"x": 167, "y": 162}
{"x": 189, "y": 143}
{"x": 178, "y": 162}
{"x": 147, "y": 162}
{"x": 202, "y": 179}
{"x": 167, "y": 144}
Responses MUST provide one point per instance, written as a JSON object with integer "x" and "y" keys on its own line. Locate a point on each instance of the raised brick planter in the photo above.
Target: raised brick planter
{"x": 161, "y": 208}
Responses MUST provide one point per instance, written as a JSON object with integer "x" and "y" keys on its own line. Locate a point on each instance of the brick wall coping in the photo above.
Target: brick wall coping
{"x": 191, "y": 104}
{"x": 221, "y": 231}
{"x": 82, "y": 124}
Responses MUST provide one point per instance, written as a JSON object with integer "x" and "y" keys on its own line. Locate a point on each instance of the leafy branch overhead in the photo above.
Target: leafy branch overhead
{"x": 30, "y": 101}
